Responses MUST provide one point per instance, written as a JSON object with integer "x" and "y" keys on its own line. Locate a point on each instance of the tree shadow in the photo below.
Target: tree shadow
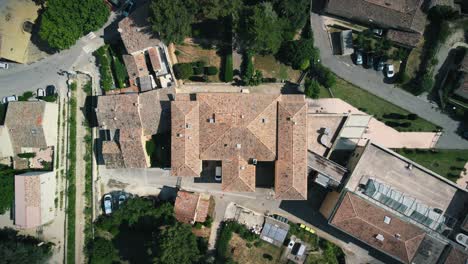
{"x": 36, "y": 40}
{"x": 133, "y": 243}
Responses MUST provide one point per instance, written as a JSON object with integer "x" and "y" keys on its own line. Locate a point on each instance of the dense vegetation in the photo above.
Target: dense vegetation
{"x": 16, "y": 248}
{"x": 142, "y": 231}
{"x": 71, "y": 179}
{"x": 65, "y": 21}
{"x": 7, "y": 188}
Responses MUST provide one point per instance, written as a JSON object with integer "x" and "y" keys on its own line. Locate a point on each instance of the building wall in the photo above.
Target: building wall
{"x": 329, "y": 204}
{"x": 7, "y": 149}
{"x": 48, "y": 188}
{"x": 50, "y": 123}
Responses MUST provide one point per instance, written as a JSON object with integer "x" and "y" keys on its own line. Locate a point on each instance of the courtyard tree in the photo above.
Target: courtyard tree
{"x": 298, "y": 53}
{"x": 171, "y": 19}
{"x": 176, "y": 244}
{"x": 65, "y": 21}
{"x": 259, "y": 29}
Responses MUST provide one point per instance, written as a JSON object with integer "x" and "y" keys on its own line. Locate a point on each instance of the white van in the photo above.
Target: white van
{"x": 218, "y": 174}
{"x": 4, "y": 65}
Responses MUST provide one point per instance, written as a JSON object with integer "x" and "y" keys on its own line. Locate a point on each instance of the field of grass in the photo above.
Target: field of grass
{"x": 376, "y": 106}
{"x": 447, "y": 163}
{"x": 243, "y": 253}
{"x": 271, "y": 68}
{"x": 191, "y": 53}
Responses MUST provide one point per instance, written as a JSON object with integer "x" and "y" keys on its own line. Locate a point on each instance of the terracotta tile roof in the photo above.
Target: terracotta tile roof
{"x": 409, "y": 39}
{"x": 185, "y": 160}
{"x": 131, "y": 117}
{"x": 191, "y": 207}
{"x": 24, "y": 121}
{"x": 291, "y": 166}
{"x": 237, "y": 128}
{"x": 135, "y": 31}
{"x": 399, "y": 14}
{"x": 136, "y": 65}
{"x": 28, "y": 200}
{"x": 365, "y": 221}
{"x": 155, "y": 59}
{"x": 456, "y": 256}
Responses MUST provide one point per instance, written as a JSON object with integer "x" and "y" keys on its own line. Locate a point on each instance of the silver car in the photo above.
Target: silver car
{"x": 107, "y": 204}
{"x": 8, "y": 99}
{"x": 358, "y": 58}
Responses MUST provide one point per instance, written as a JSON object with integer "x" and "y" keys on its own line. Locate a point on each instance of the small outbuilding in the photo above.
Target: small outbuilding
{"x": 274, "y": 231}
{"x": 191, "y": 207}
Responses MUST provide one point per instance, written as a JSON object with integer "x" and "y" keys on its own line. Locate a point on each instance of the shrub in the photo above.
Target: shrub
{"x": 427, "y": 82}
{"x": 312, "y": 88}
{"x": 269, "y": 80}
{"x": 394, "y": 116}
{"x": 26, "y": 96}
{"x": 258, "y": 243}
{"x": 198, "y": 70}
{"x": 412, "y": 116}
{"x": 198, "y": 225}
{"x": 27, "y": 155}
{"x": 228, "y": 72}
{"x": 247, "y": 66}
{"x": 183, "y": 70}
{"x": 211, "y": 70}
{"x": 405, "y": 124}
{"x": 248, "y": 245}
{"x": 203, "y": 78}
{"x": 304, "y": 65}
{"x": 199, "y": 64}
{"x": 392, "y": 123}
{"x": 267, "y": 257}
{"x": 324, "y": 75}
{"x": 208, "y": 222}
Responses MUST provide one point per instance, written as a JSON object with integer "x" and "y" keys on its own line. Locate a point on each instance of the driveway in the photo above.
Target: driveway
{"x": 373, "y": 82}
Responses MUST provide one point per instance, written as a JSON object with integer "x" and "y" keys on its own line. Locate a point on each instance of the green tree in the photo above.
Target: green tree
{"x": 211, "y": 70}
{"x": 247, "y": 66}
{"x": 177, "y": 244}
{"x": 228, "y": 71}
{"x": 294, "y": 12}
{"x": 16, "y": 248}
{"x": 183, "y": 70}
{"x": 102, "y": 251}
{"x": 65, "y": 21}
{"x": 171, "y": 19}
{"x": 296, "y": 53}
{"x": 259, "y": 29}
{"x": 7, "y": 188}
{"x": 214, "y": 9}
{"x": 312, "y": 88}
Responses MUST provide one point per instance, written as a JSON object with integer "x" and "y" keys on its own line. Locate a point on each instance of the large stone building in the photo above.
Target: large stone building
{"x": 241, "y": 130}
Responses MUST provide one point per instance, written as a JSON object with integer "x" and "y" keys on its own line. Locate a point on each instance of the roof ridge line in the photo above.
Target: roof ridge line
{"x": 248, "y": 125}
{"x": 408, "y": 257}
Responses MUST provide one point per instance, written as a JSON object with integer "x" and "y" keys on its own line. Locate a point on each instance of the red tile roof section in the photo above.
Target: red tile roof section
{"x": 364, "y": 220}
{"x": 191, "y": 207}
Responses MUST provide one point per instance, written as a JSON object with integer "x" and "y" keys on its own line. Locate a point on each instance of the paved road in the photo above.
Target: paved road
{"x": 373, "y": 82}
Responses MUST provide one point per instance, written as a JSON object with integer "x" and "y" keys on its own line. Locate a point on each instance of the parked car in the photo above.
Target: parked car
{"x": 128, "y": 8}
{"x": 370, "y": 60}
{"x": 122, "y": 198}
{"x": 390, "y": 70}
{"x": 380, "y": 65}
{"x": 50, "y": 90}
{"x": 41, "y": 92}
{"x": 10, "y": 98}
{"x": 4, "y": 65}
{"x": 358, "y": 58}
{"x": 107, "y": 204}
{"x": 377, "y": 31}
{"x": 218, "y": 176}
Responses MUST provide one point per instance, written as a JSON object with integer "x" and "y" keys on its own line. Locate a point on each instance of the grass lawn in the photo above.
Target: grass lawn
{"x": 241, "y": 253}
{"x": 447, "y": 163}
{"x": 376, "y": 106}
{"x": 190, "y": 53}
{"x": 271, "y": 68}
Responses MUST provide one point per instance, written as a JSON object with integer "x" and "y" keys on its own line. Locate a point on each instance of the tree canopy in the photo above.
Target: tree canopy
{"x": 176, "y": 244}
{"x": 260, "y": 29}
{"x": 295, "y": 12}
{"x": 171, "y": 19}
{"x": 16, "y": 248}
{"x": 298, "y": 52}
{"x": 7, "y": 188}
{"x": 65, "y": 21}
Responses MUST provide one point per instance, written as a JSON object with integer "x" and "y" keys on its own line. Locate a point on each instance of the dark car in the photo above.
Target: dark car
{"x": 50, "y": 90}
{"x": 128, "y": 8}
{"x": 380, "y": 65}
{"x": 370, "y": 60}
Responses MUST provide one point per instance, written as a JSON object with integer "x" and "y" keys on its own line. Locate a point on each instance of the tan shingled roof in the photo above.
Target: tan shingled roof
{"x": 409, "y": 39}
{"x": 135, "y": 31}
{"x": 191, "y": 207}
{"x": 291, "y": 166}
{"x": 244, "y": 127}
{"x": 24, "y": 121}
{"x": 365, "y": 221}
{"x": 118, "y": 111}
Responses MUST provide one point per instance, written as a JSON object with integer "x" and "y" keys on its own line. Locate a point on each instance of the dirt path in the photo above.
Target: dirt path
{"x": 80, "y": 174}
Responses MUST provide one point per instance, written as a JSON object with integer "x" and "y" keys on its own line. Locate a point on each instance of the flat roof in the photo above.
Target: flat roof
{"x": 274, "y": 231}
{"x": 316, "y": 123}
{"x": 389, "y": 168}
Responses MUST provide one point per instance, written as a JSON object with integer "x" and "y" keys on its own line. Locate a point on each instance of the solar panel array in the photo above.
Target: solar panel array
{"x": 274, "y": 232}
{"x": 404, "y": 204}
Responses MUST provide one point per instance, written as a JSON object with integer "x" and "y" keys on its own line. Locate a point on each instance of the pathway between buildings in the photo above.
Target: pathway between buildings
{"x": 374, "y": 84}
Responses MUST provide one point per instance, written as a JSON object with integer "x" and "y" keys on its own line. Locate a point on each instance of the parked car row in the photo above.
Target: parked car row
{"x": 112, "y": 202}
{"x": 378, "y": 63}
{"x": 40, "y": 92}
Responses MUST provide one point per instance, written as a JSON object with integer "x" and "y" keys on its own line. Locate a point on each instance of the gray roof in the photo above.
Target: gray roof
{"x": 274, "y": 231}
{"x": 24, "y": 121}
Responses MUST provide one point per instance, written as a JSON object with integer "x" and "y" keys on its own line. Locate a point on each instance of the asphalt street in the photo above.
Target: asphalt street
{"x": 374, "y": 83}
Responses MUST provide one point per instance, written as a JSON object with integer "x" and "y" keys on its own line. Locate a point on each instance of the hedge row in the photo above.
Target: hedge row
{"x": 187, "y": 70}
{"x": 102, "y": 58}
{"x": 71, "y": 190}
{"x": 88, "y": 176}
